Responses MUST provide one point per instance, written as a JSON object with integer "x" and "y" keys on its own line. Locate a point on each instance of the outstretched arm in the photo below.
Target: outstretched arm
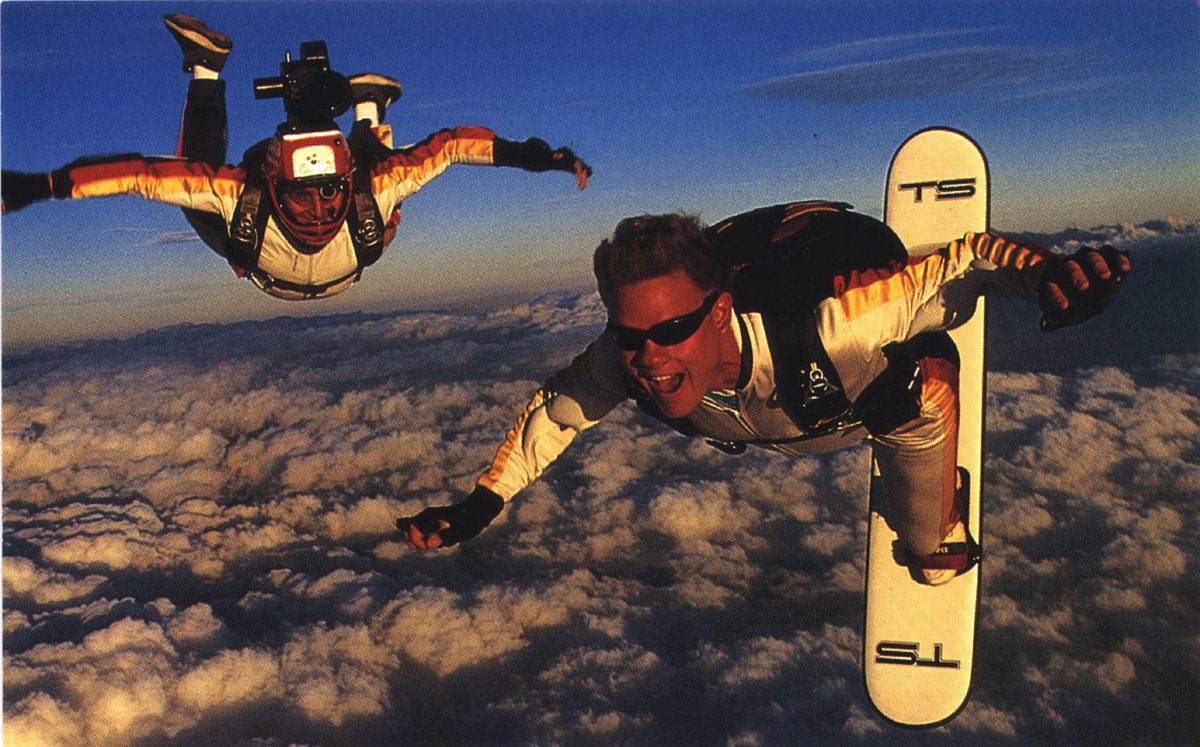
{"x": 873, "y": 308}
{"x": 173, "y": 181}
{"x": 410, "y": 168}
{"x": 535, "y": 154}
{"x": 532, "y": 443}
{"x": 575, "y": 399}
{"x": 1069, "y": 289}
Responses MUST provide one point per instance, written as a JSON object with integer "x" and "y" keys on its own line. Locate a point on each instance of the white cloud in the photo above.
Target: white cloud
{"x": 200, "y": 546}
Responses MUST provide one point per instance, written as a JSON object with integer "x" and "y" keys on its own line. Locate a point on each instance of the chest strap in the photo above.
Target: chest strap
{"x": 243, "y": 246}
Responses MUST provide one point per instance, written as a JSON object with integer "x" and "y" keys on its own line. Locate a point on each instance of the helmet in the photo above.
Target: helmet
{"x": 308, "y": 180}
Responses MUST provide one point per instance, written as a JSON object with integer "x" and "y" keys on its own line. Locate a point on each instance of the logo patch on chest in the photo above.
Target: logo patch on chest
{"x": 816, "y": 385}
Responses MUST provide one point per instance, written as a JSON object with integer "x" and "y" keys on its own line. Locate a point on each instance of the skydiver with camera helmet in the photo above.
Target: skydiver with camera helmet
{"x": 307, "y": 209}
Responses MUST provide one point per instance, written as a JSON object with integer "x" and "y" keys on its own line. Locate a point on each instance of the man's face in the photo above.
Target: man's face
{"x": 675, "y": 375}
{"x": 314, "y": 213}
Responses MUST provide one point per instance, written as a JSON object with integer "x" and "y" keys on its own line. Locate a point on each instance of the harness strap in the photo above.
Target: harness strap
{"x": 805, "y": 378}
{"x": 267, "y": 281}
{"x": 243, "y": 246}
{"x": 366, "y": 223}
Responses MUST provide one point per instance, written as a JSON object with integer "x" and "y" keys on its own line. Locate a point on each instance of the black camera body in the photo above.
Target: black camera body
{"x": 313, "y": 93}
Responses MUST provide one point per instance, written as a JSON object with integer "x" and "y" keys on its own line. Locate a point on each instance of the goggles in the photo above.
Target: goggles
{"x": 326, "y": 190}
{"x": 666, "y": 333}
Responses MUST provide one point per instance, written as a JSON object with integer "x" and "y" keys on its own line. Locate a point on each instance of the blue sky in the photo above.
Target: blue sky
{"x": 1087, "y": 112}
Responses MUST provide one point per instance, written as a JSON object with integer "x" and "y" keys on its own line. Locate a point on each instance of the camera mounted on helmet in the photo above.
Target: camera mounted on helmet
{"x": 308, "y": 165}
{"x": 313, "y": 93}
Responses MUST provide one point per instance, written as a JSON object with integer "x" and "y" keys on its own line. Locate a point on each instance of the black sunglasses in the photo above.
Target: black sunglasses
{"x": 664, "y": 334}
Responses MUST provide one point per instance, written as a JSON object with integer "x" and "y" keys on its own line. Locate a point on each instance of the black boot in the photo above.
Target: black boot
{"x": 200, "y": 44}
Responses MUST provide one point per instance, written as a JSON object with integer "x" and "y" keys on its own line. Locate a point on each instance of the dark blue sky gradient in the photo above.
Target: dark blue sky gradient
{"x": 1086, "y": 111}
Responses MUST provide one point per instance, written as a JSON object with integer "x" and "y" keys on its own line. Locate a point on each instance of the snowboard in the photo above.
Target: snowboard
{"x": 918, "y": 640}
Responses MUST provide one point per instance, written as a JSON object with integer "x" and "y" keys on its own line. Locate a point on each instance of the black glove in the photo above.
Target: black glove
{"x": 535, "y": 154}
{"x": 1100, "y": 270}
{"x": 459, "y": 522}
{"x": 21, "y": 189}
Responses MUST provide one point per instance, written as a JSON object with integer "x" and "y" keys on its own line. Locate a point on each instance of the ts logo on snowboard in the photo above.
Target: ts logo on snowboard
{"x": 899, "y": 652}
{"x": 945, "y": 189}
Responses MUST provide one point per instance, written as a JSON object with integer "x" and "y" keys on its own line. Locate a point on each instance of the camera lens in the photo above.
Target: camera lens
{"x": 327, "y": 94}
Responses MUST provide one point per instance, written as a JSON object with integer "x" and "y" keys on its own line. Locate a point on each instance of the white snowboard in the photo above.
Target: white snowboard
{"x": 918, "y": 640}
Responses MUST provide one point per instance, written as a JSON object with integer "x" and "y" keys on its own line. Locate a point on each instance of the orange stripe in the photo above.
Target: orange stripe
{"x": 860, "y": 292}
{"x": 1003, "y": 252}
{"x": 151, "y": 179}
{"x": 432, "y": 155}
{"x": 512, "y": 440}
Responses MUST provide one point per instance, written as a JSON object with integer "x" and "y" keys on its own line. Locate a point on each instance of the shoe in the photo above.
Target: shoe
{"x": 958, "y": 552}
{"x": 952, "y": 553}
{"x": 375, "y": 87}
{"x": 200, "y": 44}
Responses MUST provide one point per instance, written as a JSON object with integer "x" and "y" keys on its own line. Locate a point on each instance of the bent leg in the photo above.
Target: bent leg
{"x": 918, "y": 460}
{"x": 204, "y": 132}
{"x": 204, "y": 136}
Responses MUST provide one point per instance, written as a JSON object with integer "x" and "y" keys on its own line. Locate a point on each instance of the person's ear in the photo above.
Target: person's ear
{"x": 723, "y": 309}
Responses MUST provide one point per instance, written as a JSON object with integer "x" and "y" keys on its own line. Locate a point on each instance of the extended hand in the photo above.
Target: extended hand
{"x": 19, "y": 189}
{"x": 446, "y": 526}
{"x": 1078, "y": 287}
{"x": 581, "y": 169}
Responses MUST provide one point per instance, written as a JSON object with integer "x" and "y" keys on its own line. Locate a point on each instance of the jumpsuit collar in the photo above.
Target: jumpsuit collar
{"x": 742, "y": 337}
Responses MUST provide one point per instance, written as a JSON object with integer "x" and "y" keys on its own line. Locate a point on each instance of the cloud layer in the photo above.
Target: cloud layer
{"x": 199, "y": 549}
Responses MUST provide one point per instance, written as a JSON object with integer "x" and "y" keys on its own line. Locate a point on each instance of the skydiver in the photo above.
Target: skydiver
{"x": 307, "y": 209}
{"x": 710, "y": 354}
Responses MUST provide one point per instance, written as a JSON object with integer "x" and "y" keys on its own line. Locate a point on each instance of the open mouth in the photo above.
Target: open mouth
{"x": 663, "y": 384}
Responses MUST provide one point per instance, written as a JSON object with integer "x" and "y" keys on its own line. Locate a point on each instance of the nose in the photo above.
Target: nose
{"x": 321, "y": 209}
{"x": 649, "y": 354}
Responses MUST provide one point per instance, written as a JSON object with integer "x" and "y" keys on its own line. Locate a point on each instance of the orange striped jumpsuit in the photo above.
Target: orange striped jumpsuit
{"x": 865, "y": 312}
{"x": 194, "y": 185}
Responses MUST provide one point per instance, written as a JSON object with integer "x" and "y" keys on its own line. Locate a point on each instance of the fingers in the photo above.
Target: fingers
{"x": 1117, "y": 262}
{"x": 423, "y": 533}
{"x": 1105, "y": 263}
{"x": 420, "y": 541}
{"x": 581, "y": 169}
{"x": 1055, "y": 297}
{"x": 1082, "y": 286}
{"x": 1097, "y": 267}
{"x": 1076, "y": 276}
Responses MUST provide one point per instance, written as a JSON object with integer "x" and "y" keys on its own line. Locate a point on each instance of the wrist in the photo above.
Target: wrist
{"x": 533, "y": 154}
{"x": 481, "y": 506}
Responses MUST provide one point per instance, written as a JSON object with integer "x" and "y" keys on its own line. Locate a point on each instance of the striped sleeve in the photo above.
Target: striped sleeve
{"x": 869, "y": 310}
{"x": 530, "y": 445}
{"x": 575, "y": 399}
{"x": 412, "y": 167}
{"x": 949, "y": 279}
{"x": 1008, "y": 268}
{"x": 180, "y": 182}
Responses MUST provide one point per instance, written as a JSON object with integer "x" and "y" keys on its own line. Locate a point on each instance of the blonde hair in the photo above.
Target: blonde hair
{"x": 651, "y": 246}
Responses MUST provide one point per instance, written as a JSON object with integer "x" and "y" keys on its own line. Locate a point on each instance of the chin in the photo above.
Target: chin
{"x": 676, "y": 409}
